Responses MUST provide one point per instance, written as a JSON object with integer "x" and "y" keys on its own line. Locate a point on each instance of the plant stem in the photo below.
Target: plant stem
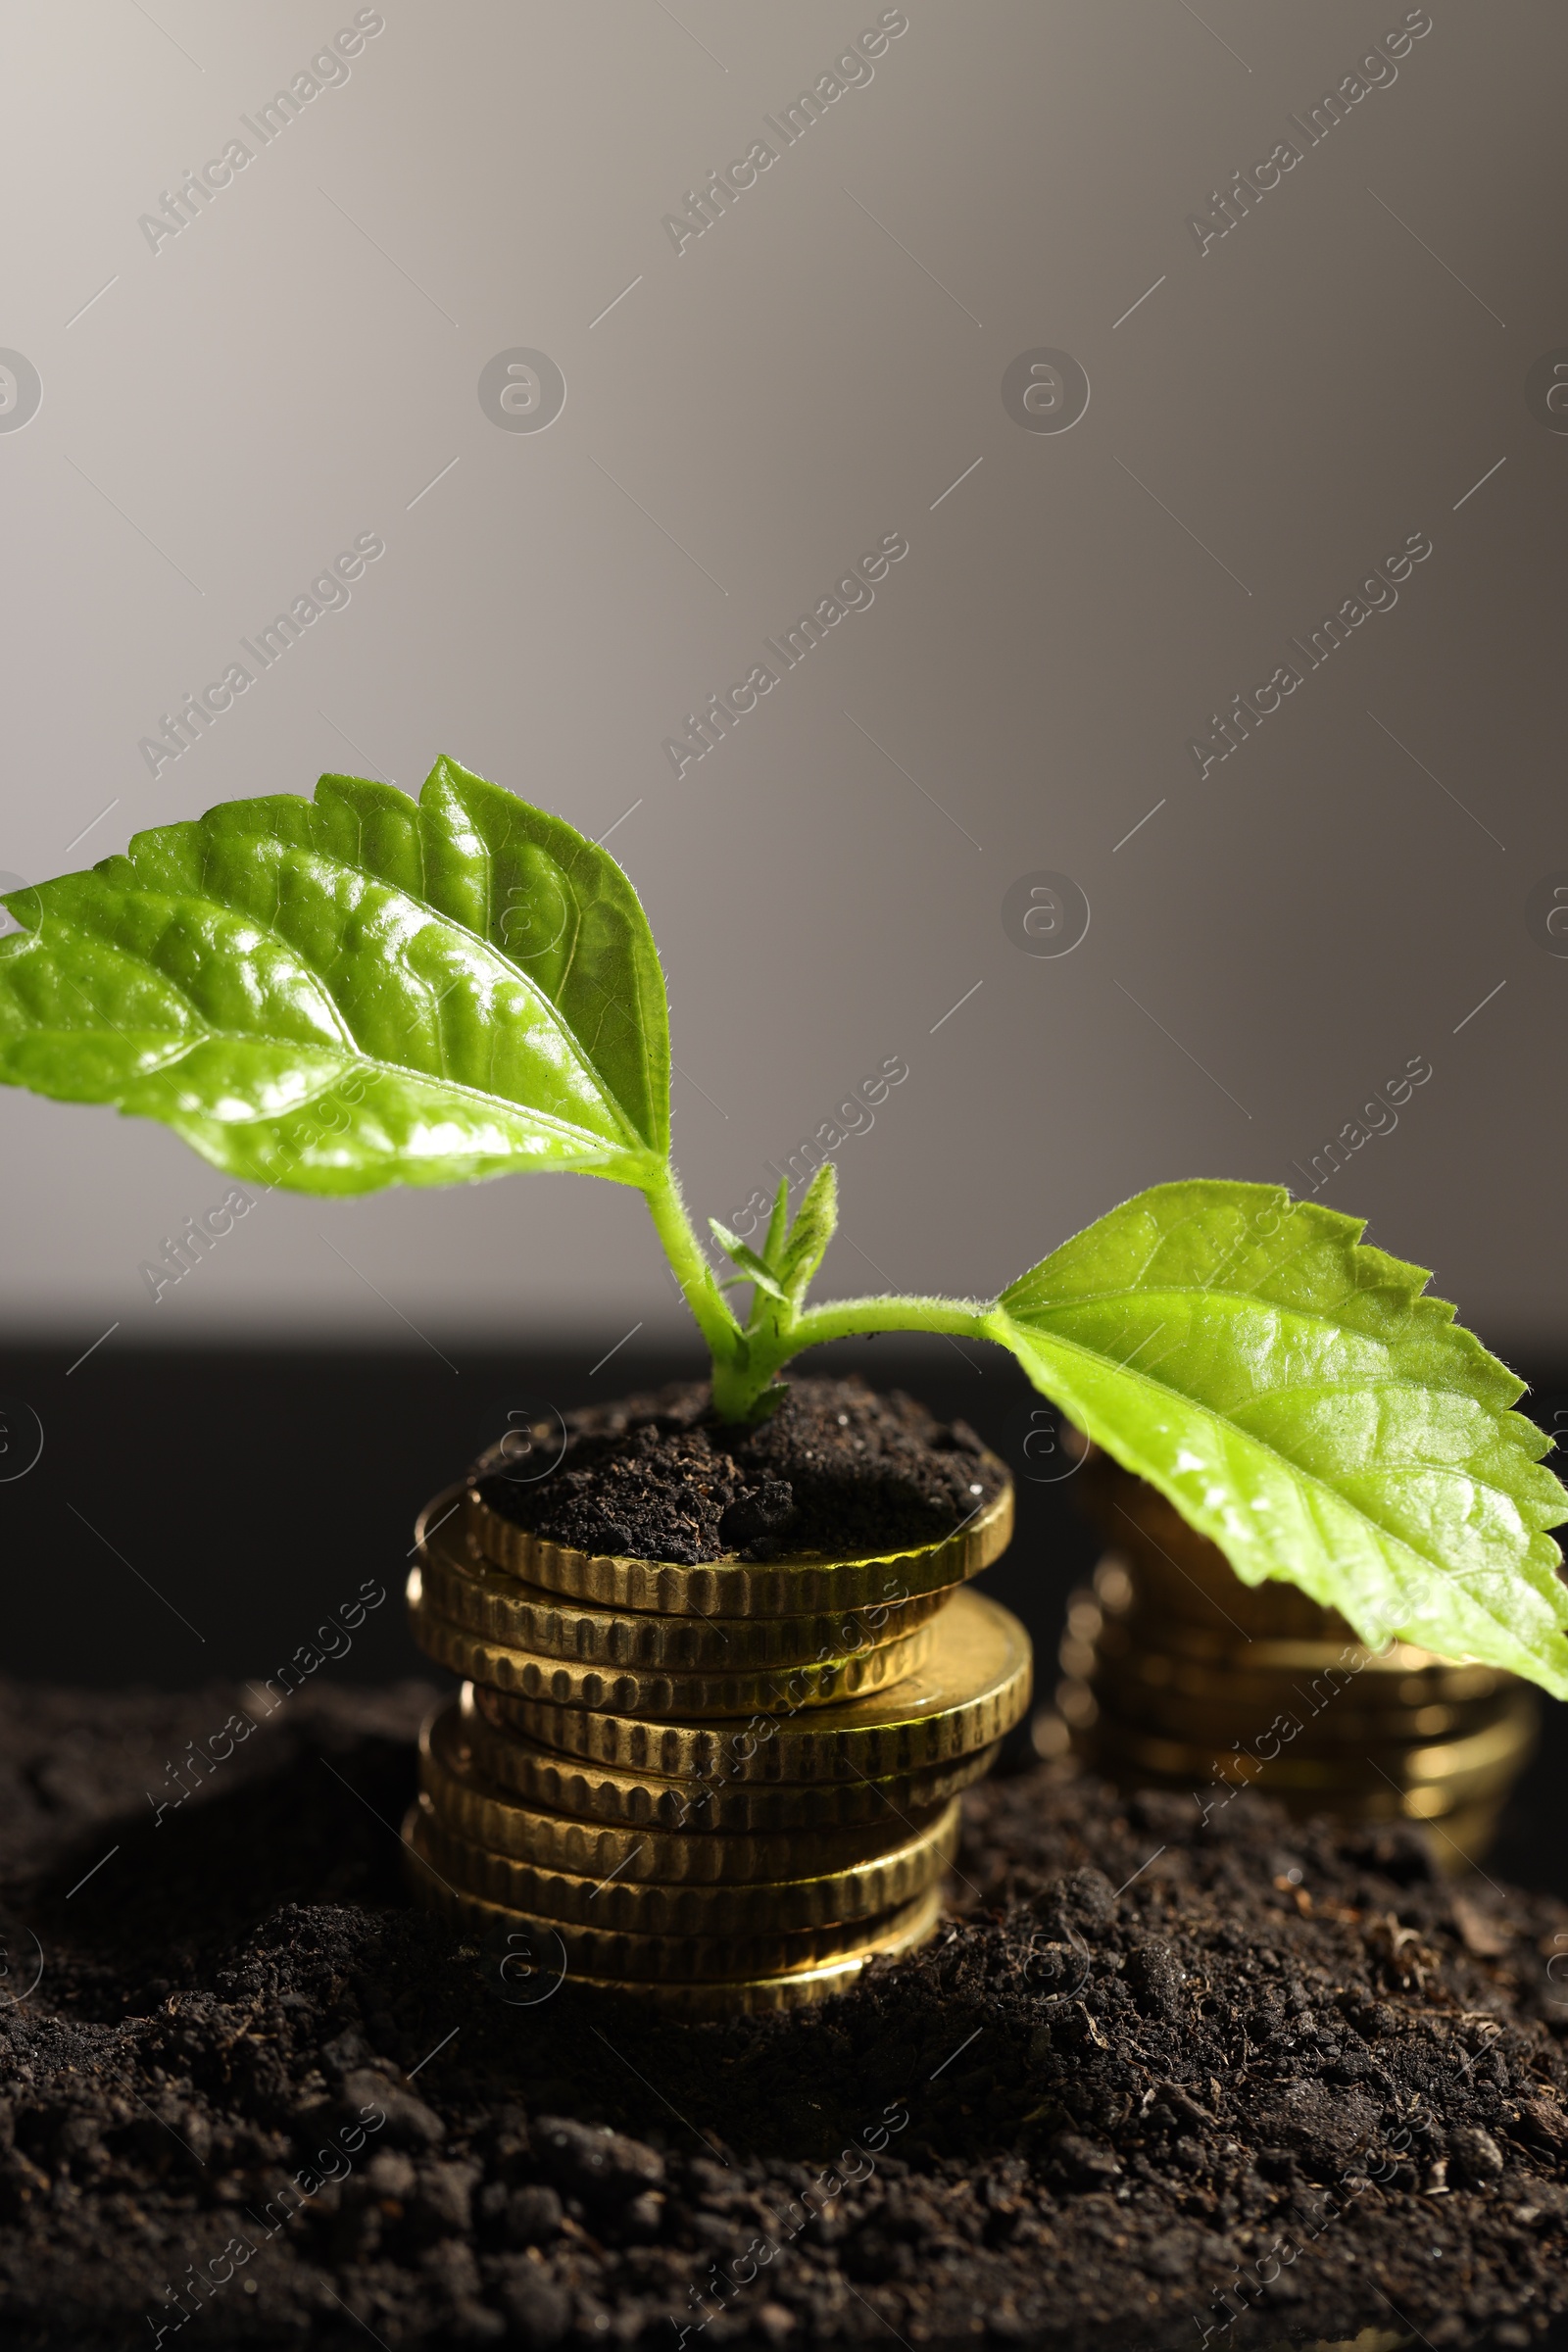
{"x": 846, "y": 1319}
{"x": 707, "y": 1302}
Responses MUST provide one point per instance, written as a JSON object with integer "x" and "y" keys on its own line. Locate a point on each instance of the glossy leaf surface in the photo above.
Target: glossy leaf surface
{"x": 355, "y": 991}
{"x": 1300, "y": 1403}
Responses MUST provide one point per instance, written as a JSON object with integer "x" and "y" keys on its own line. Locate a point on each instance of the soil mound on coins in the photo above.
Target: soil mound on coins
{"x": 838, "y": 1468}
{"x": 1160, "y": 2081}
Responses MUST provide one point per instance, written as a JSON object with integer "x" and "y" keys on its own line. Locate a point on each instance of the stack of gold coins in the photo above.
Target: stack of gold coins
{"x": 1176, "y": 1674}
{"x": 720, "y": 1788}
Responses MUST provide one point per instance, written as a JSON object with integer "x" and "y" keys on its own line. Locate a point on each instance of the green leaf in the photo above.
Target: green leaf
{"x": 749, "y": 1265}
{"x": 778, "y": 1222}
{"x": 1293, "y": 1393}
{"x": 355, "y": 991}
{"x": 815, "y": 1223}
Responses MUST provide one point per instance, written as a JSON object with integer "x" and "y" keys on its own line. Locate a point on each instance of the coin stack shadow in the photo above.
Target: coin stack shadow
{"x": 718, "y": 1788}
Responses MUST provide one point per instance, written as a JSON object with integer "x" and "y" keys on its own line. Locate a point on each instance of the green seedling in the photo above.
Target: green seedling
{"x": 361, "y": 990}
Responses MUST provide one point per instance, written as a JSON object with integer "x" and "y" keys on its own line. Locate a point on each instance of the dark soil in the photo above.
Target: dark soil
{"x": 839, "y": 1467}
{"x": 1158, "y": 2077}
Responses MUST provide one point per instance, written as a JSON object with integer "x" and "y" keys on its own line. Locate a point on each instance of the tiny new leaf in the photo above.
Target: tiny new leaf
{"x": 355, "y": 991}
{"x": 1289, "y": 1390}
{"x": 805, "y": 1245}
{"x": 751, "y": 1267}
{"x": 777, "y": 1223}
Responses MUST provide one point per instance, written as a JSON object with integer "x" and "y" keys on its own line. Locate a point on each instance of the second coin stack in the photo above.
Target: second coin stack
{"x": 719, "y": 1788}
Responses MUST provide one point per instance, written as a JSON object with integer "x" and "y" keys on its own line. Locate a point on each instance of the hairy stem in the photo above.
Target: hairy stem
{"x": 707, "y": 1302}
{"x": 847, "y": 1319}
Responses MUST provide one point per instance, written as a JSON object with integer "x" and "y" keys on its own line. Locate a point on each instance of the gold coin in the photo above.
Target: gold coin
{"x": 830, "y": 1896}
{"x": 796, "y": 1585}
{"x": 795, "y": 1988}
{"x": 472, "y": 1807}
{"x": 1338, "y": 1709}
{"x": 563, "y": 1684}
{"x": 463, "y": 1586}
{"x": 1423, "y": 1779}
{"x": 629, "y": 1954}
{"x": 972, "y": 1685}
{"x": 596, "y": 1793}
{"x": 1395, "y": 1675}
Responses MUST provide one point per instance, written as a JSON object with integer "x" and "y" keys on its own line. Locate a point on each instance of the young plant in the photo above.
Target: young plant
{"x": 361, "y": 990}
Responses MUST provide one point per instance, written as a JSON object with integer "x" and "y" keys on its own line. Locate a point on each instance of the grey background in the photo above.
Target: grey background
{"x": 815, "y": 371}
